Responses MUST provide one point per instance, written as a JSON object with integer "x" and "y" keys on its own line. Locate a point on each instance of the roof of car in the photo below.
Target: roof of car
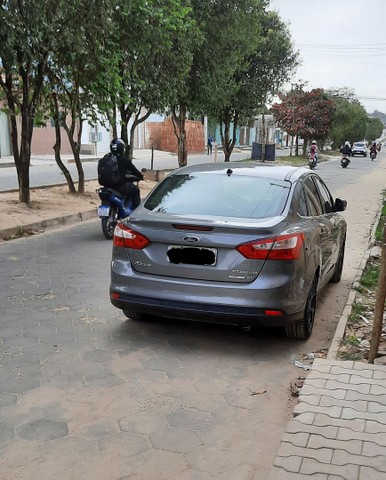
{"x": 250, "y": 168}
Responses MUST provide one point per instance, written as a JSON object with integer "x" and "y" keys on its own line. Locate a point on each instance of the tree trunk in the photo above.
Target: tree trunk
{"x": 137, "y": 121}
{"x": 305, "y": 146}
{"x": 227, "y": 142}
{"x": 179, "y": 121}
{"x": 25, "y": 157}
{"x": 75, "y": 146}
{"x": 58, "y": 145}
{"x": 263, "y": 137}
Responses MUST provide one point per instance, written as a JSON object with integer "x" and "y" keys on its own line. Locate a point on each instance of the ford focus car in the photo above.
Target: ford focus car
{"x": 238, "y": 243}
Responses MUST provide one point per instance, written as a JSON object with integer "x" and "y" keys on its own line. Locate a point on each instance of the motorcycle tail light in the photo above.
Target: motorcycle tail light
{"x": 127, "y": 238}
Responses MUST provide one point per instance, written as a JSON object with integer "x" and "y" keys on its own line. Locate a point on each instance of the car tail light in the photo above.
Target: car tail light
{"x": 127, "y": 238}
{"x": 284, "y": 247}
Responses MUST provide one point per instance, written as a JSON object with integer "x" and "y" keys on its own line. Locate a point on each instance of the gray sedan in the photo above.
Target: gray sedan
{"x": 239, "y": 243}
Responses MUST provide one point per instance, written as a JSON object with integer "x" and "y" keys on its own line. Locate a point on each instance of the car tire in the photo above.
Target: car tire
{"x": 337, "y": 275}
{"x": 108, "y": 226}
{"x": 302, "y": 329}
{"x": 134, "y": 315}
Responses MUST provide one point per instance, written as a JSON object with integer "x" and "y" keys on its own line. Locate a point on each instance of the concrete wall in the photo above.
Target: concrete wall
{"x": 43, "y": 141}
{"x": 162, "y": 137}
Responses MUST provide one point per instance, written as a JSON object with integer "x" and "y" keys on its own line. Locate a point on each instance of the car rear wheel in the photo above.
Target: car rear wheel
{"x": 302, "y": 330}
{"x": 339, "y": 264}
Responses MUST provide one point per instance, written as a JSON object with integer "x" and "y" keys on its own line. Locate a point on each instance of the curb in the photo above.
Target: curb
{"x": 26, "y": 230}
{"x": 342, "y": 324}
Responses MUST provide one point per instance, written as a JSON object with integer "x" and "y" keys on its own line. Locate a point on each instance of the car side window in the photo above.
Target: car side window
{"x": 301, "y": 200}
{"x": 313, "y": 201}
{"x": 325, "y": 196}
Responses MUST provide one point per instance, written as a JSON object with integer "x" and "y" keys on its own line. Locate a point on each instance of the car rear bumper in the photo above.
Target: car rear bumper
{"x": 211, "y": 313}
{"x": 238, "y": 304}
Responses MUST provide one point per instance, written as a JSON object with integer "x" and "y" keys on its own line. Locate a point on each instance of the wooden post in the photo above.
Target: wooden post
{"x": 379, "y": 304}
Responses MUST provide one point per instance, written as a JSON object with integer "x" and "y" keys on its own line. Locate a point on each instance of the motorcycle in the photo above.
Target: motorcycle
{"x": 345, "y": 160}
{"x": 373, "y": 155}
{"x": 114, "y": 207}
{"x": 312, "y": 160}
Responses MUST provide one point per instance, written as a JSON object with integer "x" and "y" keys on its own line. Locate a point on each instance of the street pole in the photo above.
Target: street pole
{"x": 379, "y": 305}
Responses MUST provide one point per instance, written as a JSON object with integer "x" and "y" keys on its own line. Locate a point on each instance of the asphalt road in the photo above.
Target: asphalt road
{"x": 85, "y": 393}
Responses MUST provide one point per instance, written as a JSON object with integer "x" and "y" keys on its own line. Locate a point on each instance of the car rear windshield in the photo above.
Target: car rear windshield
{"x": 360, "y": 145}
{"x": 217, "y": 194}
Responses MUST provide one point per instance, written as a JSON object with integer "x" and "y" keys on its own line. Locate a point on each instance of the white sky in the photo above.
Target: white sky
{"x": 342, "y": 43}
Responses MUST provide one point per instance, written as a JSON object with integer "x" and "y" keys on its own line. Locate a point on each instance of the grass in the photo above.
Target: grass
{"x": 367, "y": 284}
{"x": 381, "y": 223}
{"x": 357, "y": 310}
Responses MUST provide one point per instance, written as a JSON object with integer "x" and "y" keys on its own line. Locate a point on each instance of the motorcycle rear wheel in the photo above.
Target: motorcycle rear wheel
{"x": 108, "y": 226}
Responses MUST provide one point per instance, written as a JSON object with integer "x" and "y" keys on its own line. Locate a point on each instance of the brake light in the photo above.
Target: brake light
{"x": 127, "y": 238}
{"x": 284, "y": 247}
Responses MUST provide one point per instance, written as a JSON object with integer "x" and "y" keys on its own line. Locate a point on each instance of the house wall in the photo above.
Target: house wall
{"x": 162, "y": 137}
{"x": 43, "y": 141}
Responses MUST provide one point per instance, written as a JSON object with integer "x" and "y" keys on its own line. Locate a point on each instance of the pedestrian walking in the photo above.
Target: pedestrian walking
{"x": 210, "y": 144}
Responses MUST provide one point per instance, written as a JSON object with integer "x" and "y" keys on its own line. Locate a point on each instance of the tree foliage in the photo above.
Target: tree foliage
{"x": 152, "y": 52}
{"x": 374, "y": 129}
{"x": 305, "y": 114}
{"x": 349, "y": 122}
{"x": 28, "y": 34}
{"x": 260, "y": 75}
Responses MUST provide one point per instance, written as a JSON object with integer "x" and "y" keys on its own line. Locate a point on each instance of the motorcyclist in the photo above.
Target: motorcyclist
{"x": 126, "y": 167}
{"x": 314, "y": 150}
{"x": 374, "y": 149}
{"x": 346, "y": 150}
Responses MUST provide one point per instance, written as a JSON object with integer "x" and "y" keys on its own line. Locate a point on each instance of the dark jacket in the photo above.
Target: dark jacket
{"x": 346, "y": 150}
{"x": 126, "y": 166}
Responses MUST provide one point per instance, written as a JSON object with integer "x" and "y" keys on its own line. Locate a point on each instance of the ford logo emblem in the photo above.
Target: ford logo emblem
{"x": 191, "y": 239}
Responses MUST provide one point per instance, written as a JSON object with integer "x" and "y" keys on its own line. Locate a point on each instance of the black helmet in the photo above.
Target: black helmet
{"x": 117, "y": 146}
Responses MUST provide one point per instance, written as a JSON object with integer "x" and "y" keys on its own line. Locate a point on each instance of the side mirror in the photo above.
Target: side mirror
{"x": 340, "y": 205}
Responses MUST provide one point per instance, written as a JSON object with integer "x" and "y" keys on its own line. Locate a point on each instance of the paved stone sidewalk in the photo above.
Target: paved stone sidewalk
{"x": 339, "y": 427}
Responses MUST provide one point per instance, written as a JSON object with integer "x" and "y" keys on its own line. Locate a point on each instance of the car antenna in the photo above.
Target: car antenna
{"x": 229, "y": 172}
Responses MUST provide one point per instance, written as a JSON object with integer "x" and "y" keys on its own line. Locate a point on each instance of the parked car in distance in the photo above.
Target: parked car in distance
{"x": 359, "y": 148}
{"x": 238, "y": 243}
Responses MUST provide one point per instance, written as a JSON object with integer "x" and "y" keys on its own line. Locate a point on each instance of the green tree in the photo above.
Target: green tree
{"x": 28, "y": 34}
{"x": 350, "y": 119}
{"x": 374, "y": 129}
{"x": 260, "y": 76}
{"x": 228, "y": 34}
{"x": 151, "y": 52}
{"x": 76, "y": 77}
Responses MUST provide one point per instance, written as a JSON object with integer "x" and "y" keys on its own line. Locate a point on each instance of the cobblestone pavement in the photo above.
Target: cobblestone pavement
{"x": 85, "y": 394}
{"x": 339, "y": 426}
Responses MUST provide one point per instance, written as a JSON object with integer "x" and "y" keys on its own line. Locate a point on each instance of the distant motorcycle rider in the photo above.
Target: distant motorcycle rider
{"x": 346, "y": 150}
{"x": 126, "y": 167}
{"x": 314, "y": 150}
{"x": 374, "y": 149}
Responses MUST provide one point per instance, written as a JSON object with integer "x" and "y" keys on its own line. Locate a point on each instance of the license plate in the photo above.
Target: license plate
{"x": 103, "y": 211}
{"x": 192, "y": 255}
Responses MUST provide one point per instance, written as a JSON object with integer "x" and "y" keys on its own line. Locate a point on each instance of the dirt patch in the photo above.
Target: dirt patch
{"x": 49, "y": 203}
{"x": 355, "y": 344}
